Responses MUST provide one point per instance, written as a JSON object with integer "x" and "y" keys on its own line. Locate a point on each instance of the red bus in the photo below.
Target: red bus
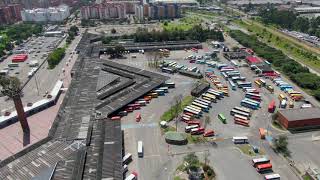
{"x": 264, "y": 167}
{"x": 138, "y": 117}
{"x": 241, "y": 122}
{"x": 208, "y": 133}
{"x": 194, "y": 122}
{"x": 272, "y": 106}
{"x": 197, "y": 131}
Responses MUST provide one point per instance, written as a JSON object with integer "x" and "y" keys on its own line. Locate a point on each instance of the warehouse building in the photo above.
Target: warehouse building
{"x": 296, "y": 119}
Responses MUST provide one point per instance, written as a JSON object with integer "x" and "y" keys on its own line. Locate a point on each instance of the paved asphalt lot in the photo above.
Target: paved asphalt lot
{"x": 44, "y": 79}
{"x": 161, "y": 160}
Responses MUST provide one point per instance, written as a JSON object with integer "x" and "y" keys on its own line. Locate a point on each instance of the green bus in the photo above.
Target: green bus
{"x": 222, "y": 118}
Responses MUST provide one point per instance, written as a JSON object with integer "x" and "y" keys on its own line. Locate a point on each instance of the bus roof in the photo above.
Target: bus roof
{"x": 262, "y": 159}
{"x": 270, "y": 176}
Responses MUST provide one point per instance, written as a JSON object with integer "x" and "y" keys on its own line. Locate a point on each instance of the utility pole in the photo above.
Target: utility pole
{"x": 35, "y": 78}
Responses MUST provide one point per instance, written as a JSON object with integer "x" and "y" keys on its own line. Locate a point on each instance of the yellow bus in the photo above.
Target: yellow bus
{"x": 258, "y": 83}
{"x": 281, "y": 97}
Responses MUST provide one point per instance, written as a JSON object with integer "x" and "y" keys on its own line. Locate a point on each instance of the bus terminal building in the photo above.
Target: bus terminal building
{"x": 299, "y": 119}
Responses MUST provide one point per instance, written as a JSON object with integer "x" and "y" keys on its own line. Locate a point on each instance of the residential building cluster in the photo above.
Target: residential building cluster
{"x": 120, "y": 9}
{"x": 105, "y": 10}
{"x": 52, "y": 14}
{"x": 157, "y": 11}
{"x": 10, "y": 13}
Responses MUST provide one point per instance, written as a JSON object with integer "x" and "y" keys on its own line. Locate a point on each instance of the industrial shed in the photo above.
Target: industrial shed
{"x": 295, "y": 119}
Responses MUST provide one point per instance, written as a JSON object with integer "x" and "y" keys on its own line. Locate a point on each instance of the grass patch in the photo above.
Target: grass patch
{"x": 306, "y": 177}
{"x": 178, "y": 178}
{"x": 167, "y": 129}
{"x": 247, "y": 149}
{"x": 169, "y": 115}
{"x": 183, "y": 24}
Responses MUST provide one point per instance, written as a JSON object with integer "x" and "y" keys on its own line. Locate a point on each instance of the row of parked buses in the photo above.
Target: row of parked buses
{"x": 252, "y": 98}
{"x": 172, "y": 67}
{"x": 143, "y": 101}
{"x": 241, "y": 115}
{"x": 263, "y": 165}
{"x": 287, "y": 88}
{"x": 223, "y": 88}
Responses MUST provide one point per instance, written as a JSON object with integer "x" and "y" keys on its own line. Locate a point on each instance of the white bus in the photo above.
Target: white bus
{"x": 194, "y": 108}
{"x": 243, "y": 109}
{"x": 140, "y": 149}
{"x": 188, "y": 128}
{"x": 240, "y": 140}
{"x": 234, "y": 112}
{"x": 241, "y": 117}
{"x": 197, "y": 113}
{"x": 201, "y": 102}
{"x": 203, "y": 107}
{"x": 272, "y": 177}
{"x": 127, "y": 158}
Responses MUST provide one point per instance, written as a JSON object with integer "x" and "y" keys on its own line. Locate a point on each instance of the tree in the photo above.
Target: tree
{"x": 281, "y": 145}
{"x": 177, "y": 106}
{"x": 11, "y": 88}
{"x": 153, "y": 58}
{"x": 115, "y": 52}
{"x": 235, "y": 48}
{"x": 113, "y": 31}
{"x": 191, "y": 159}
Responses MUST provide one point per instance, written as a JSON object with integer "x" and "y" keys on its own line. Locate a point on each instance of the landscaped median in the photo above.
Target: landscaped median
{"x": 176, "y": 109}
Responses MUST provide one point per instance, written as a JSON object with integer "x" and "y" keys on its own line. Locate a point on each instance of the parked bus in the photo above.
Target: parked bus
{"x": 234, "y": 63}
{"x": 263, "y": 82}
{"x": 258, "y": 161}
{"x": 233, "y": 86}
{"x": 238, "y": 78}
{"x": 234, "y": 112}
{"x": 243, "y": 109}
{"x": 196, "y": 114}
{"x": 13, "y": 65}
{"x": 203, "y": 100}
{"x": 194, "y": 107}
{"x": 222, "y": 118}
{"x": 167, "y": 70}
{"x": 219, "y": 66}
{"x": 240, "y": 140}
{"x": 258, "y": 83}
{"x": 203, "y": 107}
{"x": 203, "y": 103}
{"x": 249, "y": 104}
{"x": 208, "y": 99}
{"x": 197, "y": 131}
{"x": 159, "y": 92}
{"x": 127, "y": 158}
{"x": 272, "y": 177}
{"x": 216, "y": 93}
{"x": 272, "y": 106}
{"x": 244, "y": 84}
{"x": 281, "y": 97}
{"x": 237, "y": 116}
{"x": 140, "y": 149}
{"x": 165, "y": 89}
{"x": 224, "y": 75}
{"x": 188, "y": 128}
{"x": 270, "y": 88}
{"x": 262, "y": 133}
{"x": 283, "y": 103}
{"x": 253, "y": 96}
{"x": 253, "y": 101}
{"x": 169, "y": 84}
{"x": 264, "y": 167}
{"x": 209, "y": 96}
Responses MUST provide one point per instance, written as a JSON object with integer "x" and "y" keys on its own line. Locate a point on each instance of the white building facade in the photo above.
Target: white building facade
{"x": 52, "y": 14}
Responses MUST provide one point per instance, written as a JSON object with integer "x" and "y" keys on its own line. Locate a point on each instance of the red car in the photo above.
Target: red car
{"x": 208, "y": 133}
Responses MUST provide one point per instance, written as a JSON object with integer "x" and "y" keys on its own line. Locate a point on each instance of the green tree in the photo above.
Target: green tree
{"x": 281, "y": 145}
{"x": 11, "y": 88}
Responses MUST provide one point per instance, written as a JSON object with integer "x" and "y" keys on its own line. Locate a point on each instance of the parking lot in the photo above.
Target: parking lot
{"x": 161, "y": 159}
{"x": 44, "y": 79}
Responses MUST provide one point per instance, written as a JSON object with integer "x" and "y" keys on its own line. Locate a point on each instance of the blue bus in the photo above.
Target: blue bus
{"x": 249, "y": 104}
{"x": 282, "y": 87}
{"x": 219, "y": 66}
{"x": 235, "y": 74}
{"x": 252, "y": 101}
{"x": 233, "y": 86}
{"x": 160, "y": 92}
{"x": 238, "y": 78}
{"x": 224, "y": 75}
{"x": 244, "y": 84}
